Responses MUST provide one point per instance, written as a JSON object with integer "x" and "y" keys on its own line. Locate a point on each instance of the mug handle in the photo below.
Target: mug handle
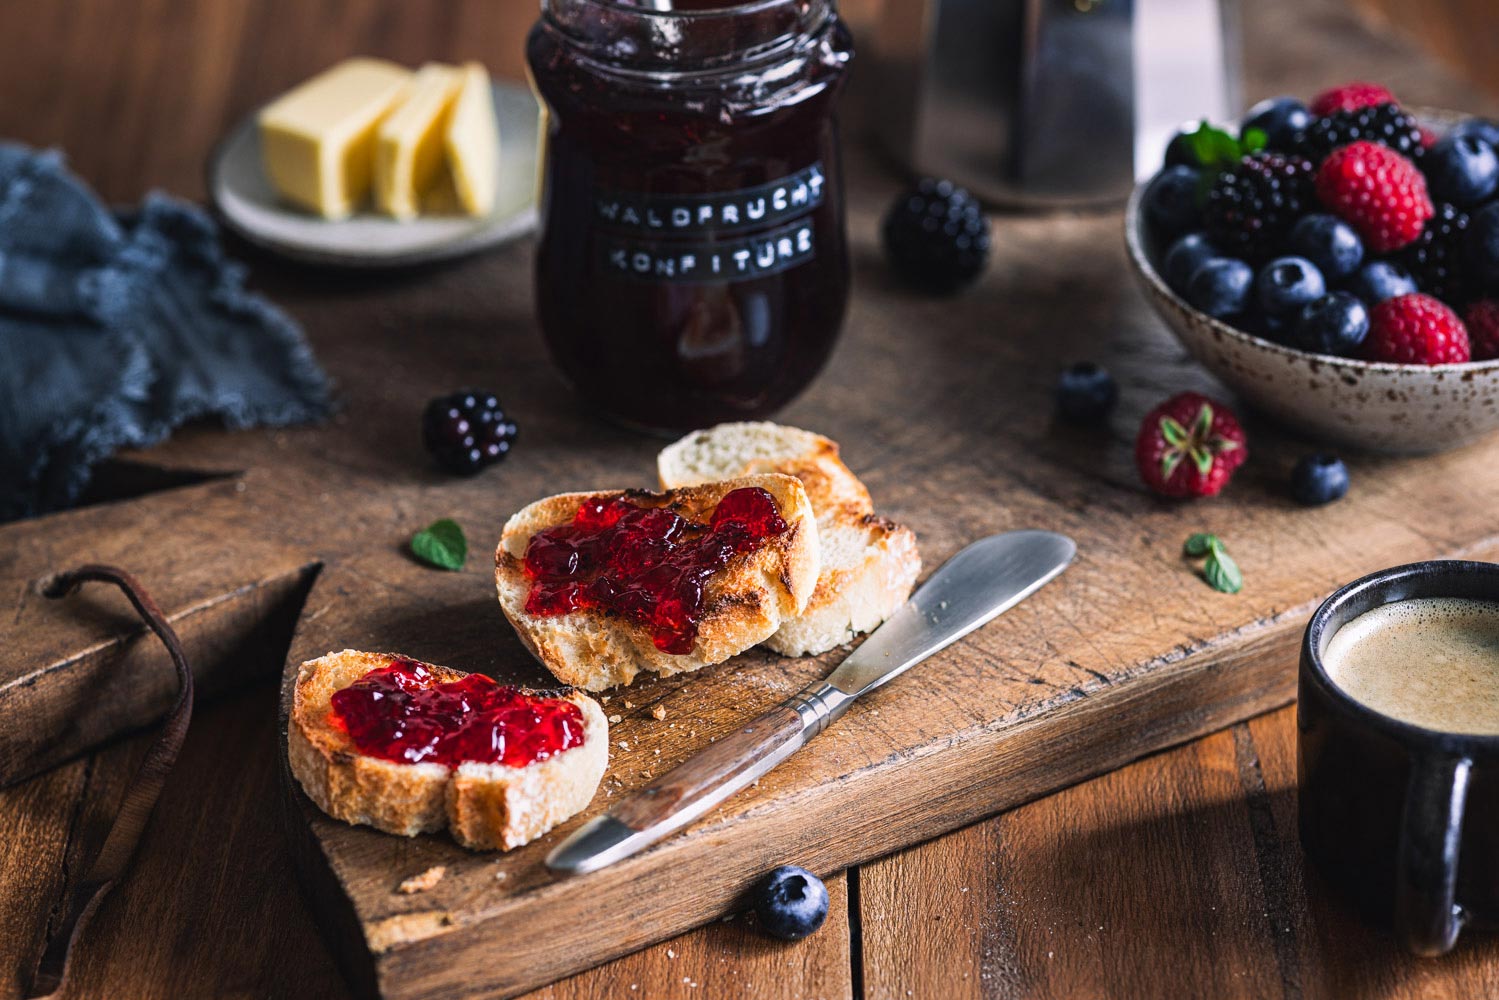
{"x": 1427, "y": 917}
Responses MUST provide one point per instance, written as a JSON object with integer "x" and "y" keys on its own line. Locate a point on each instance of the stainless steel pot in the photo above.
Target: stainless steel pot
{"x": 1049, "y": 102}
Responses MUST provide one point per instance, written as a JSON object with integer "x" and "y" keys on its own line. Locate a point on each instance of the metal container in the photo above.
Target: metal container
{"x": 1049, "y": 102}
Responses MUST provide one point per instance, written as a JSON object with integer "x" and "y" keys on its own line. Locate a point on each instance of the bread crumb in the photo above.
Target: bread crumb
{"x": 605, "y": 699}
{"x": 501, "y": 876}
{"x": 658, "y": 713}
{"x": 670, "y": 953}
{"x": 615, "y": 719}
{"x": 629, "y": 703}
{"x": 422, "y": 882}
{"x": 623, "y": 745}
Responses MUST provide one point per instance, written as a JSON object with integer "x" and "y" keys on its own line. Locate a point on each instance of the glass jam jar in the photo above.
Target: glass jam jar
{"x": 693, "y": 264}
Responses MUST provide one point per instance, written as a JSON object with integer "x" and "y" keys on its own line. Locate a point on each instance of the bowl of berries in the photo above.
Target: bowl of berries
{"x": 1336, "y": 265}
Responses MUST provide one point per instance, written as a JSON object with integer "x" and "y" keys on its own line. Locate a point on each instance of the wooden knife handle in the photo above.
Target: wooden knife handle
{"x": 711, "y": 773}
{"x": 701, "y": 782}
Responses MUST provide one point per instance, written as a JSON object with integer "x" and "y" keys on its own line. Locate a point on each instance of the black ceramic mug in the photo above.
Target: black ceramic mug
{"x": 1403, "y": 819}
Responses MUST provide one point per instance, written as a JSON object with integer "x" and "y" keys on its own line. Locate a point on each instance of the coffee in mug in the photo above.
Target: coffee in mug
{"x": 1398, "y": 748}
{"x": 1429, "y": 661}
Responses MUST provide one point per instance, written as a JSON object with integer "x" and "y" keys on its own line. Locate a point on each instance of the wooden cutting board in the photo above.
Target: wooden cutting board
{"x": 943, "y": 406}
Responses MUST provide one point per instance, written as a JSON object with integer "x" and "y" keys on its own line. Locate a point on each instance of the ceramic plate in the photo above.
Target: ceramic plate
{"x": 250, "y": 207}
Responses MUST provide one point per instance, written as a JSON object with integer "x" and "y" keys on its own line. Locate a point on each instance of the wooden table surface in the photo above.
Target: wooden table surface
{"x": 1176, "y": 875}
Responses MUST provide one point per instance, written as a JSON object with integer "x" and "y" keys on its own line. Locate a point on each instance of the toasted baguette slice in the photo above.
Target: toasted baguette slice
{"x": 869, "y": 564}
{"x": 484, "y": 806}
{"x": 743, "y": 604}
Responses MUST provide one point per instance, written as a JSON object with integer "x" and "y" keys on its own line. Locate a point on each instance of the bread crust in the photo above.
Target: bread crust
{"x": 869, "y": 563}
{"x": 484, "y": 806}
{"x": 744, "y": 603}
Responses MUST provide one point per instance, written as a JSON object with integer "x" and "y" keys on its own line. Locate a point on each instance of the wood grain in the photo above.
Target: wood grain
{"x": 689, "y": 783}
{"x": 1185, "y": 865}
{"x": 729, "y": 958}
{"x": 946, "y": 400}
{"x": 1460, "y": 32}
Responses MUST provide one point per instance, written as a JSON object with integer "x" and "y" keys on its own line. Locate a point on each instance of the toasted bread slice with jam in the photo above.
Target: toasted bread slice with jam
{"x": 743, "y": 602}
{"x": 869, "y": 564}
{"x": 483, "y": 805}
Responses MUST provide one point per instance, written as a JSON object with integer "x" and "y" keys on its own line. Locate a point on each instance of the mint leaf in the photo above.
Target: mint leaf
{"x": 1219, "y": 569}
{"x": 1201, "y": 143}
{"x": 1216, "y": 149}
{"x": 1200, "y": 544}
{"x": 1222, "y": 573}
{"x": 441, "y": 544}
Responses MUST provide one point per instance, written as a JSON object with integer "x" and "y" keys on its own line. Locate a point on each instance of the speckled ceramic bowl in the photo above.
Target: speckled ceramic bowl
{"x": 1396, "y": 409}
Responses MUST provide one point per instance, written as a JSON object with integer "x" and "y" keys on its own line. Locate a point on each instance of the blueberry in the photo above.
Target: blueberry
{"x": 1319, "y": 479}
{"x": 1171, "y": 202}
{"x": 1328, "y": 242}
{"x": 1179, "y": 151}
{"x": 1286, "y": 284}
{"x": 1279, "y": 118}
{"x": 1334, "y": 324}
{"x": 1220, "y": 286}
{"x": 1256, "y": 322}
{"x": 791, "y": 903}
{"x": 1483, "y": 244}
{"x": 1478, "y": 128}
{"x": 1183, "y": 258}
{"x": 1462, "y": 169}
{"x": 1379, "y": 280}
{"x": 1086, "y": 393}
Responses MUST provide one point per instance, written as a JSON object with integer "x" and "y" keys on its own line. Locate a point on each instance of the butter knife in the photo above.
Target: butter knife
{"x": 973, "y": 587}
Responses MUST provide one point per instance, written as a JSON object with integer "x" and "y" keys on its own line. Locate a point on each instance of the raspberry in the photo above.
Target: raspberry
{"x": 1483, "y": 329}
{"x": 1435, "y": 258}
{"x": 1385, "y": 124}
{"x": 1349, "y": 97}
{"x": 466, "y": 431}
{"x": 1189, "y": 446}
{"x": 1416, "y": 329}
{"x": 1376, "y": 191}
{"x": 1251, "y": 208}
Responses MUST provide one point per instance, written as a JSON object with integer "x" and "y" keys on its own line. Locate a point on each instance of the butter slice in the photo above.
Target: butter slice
{"x": 473, "y": 142}
{"x": 318, "y": 140}
{"x": 409, "y": 143}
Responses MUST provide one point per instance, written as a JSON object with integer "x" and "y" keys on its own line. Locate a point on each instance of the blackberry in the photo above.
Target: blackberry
{"x": 1250, "y": 209}
{"x": 466, "y": 431}
{"x": 1385, "y": 124}
{"x": 1435, "y": 258}
{"x": 937, "y": 236}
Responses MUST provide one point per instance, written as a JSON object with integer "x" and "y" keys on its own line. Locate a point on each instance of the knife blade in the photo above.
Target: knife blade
{"x": 981, "y": 582}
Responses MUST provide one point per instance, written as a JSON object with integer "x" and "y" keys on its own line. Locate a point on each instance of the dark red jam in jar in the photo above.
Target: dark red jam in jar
{"x": 647, "y": 564}
{"x": 402, "y": 713}
{"x": 693, "y": 266}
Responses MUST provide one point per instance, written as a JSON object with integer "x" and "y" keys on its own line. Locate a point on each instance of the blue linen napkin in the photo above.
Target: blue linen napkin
{"x": 116, "y": 329}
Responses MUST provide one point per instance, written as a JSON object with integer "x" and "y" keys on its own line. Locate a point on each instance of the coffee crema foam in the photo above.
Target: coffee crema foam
{"x": 1429, "y": 661}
